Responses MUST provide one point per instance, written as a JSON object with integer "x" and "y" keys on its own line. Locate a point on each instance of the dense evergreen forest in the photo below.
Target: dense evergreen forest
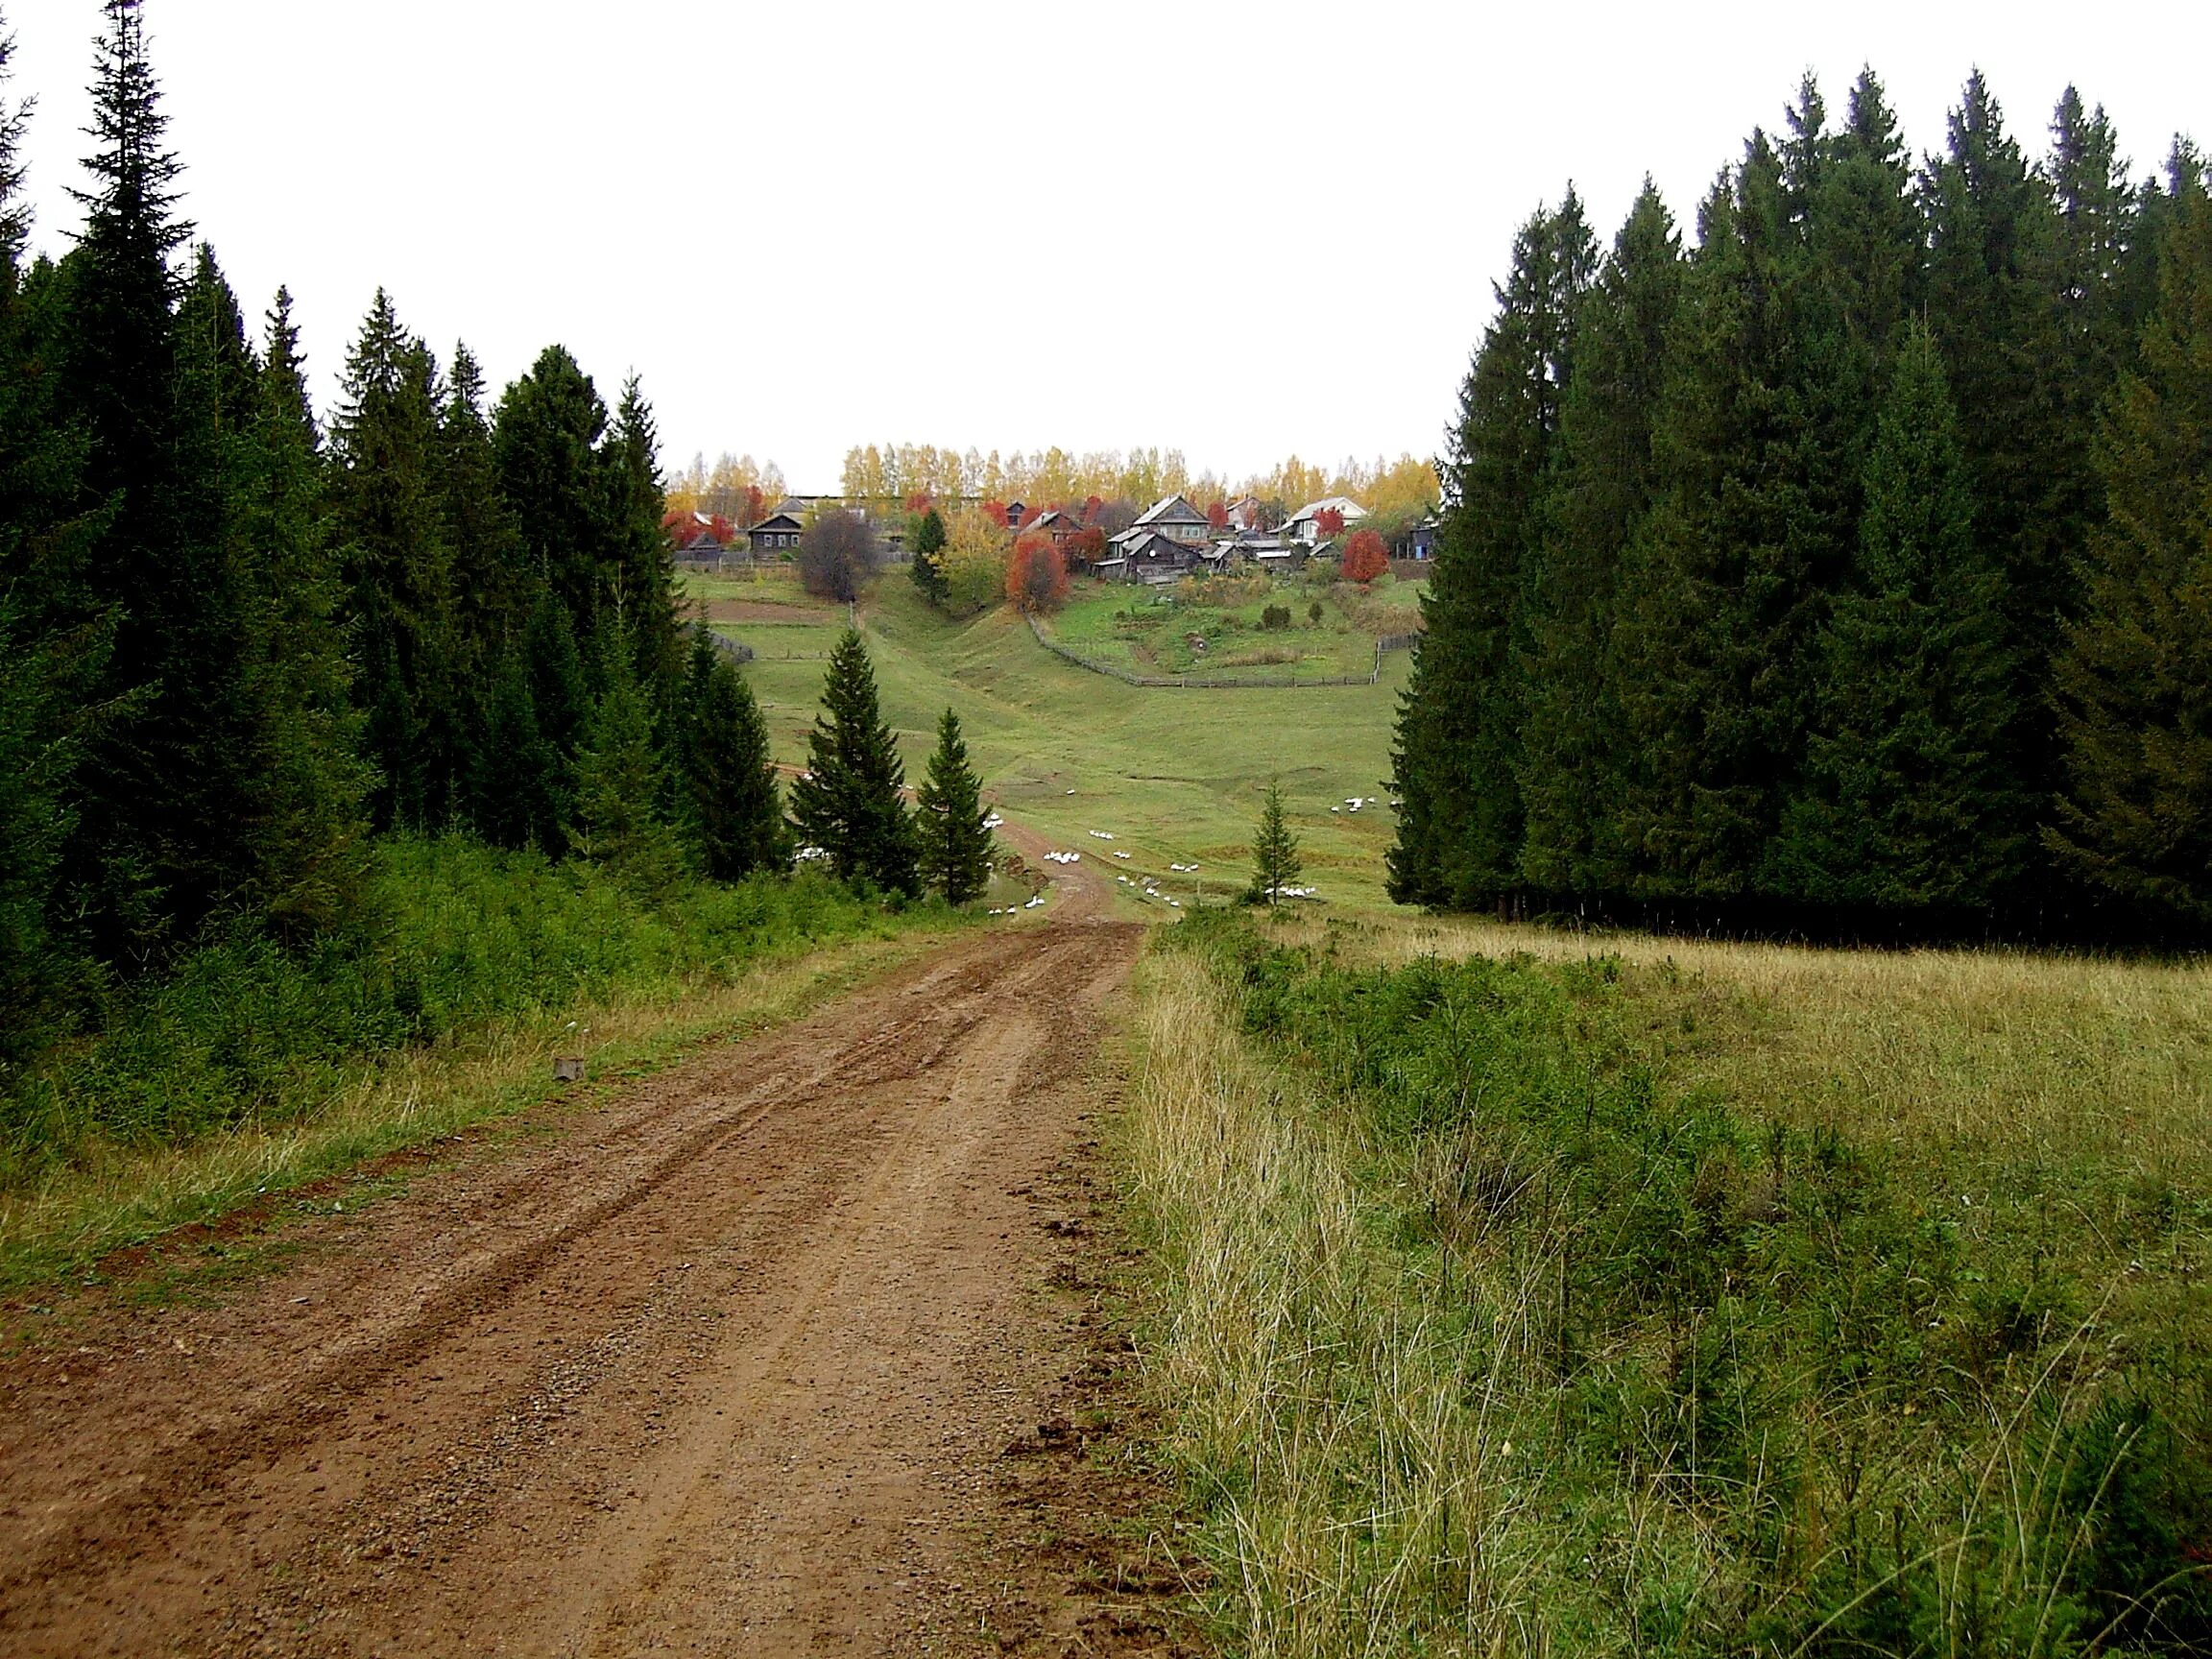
{"x": 1848, "y": 568}
{"x": 236, "y": 646}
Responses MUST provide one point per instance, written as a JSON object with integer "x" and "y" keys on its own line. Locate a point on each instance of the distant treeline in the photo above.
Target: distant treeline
{"x": 1850, "y": 567}
{"x": 233, "y": 646}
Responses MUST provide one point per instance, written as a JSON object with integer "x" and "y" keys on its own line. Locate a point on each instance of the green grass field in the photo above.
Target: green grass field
{"x": 1174, "y": 775}
{"x": 1157, "y": 630}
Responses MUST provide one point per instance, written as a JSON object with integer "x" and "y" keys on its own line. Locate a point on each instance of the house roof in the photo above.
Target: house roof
{"x": 1170, "y": 510}
{"x": 1142, "y": 542}
{"x": 1352, "y": 509}
{"x": 778, "y": 520}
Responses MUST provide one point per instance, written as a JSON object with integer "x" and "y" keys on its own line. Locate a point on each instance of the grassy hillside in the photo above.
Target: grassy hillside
{"x": 1695, "y": 1299}
{"x": 1174, "y": 775}
{"x": 1158, "y": 630}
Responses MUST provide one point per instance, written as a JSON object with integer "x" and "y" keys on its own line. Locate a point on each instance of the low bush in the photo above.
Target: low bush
{"x": 459, "y": 934}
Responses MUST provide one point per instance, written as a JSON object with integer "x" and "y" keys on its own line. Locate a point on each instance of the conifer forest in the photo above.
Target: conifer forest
{"x": 241, "y": 641}
{"x": 1839, "y": 560}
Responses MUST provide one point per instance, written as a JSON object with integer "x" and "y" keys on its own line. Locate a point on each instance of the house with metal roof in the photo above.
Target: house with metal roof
{"x": 1303, "y": 525}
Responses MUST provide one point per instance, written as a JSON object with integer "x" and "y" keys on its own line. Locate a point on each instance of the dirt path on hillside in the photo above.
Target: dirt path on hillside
{"x": 774, "y": 1353}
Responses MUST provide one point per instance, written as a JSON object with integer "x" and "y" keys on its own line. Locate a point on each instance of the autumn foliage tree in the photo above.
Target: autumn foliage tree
{"x": 1328, "y": 521}
{"x": 837, "y": 554}
{"x": 1217, "y": 515}
{"x": 1365, "y": 558}
{"x": 1036, "y": 575}
{"x": 996, "y": 512}
{"x": 1085, "y": 547}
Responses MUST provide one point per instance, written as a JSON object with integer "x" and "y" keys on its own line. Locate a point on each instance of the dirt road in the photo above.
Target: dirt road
{"x": 761, "y": 1354}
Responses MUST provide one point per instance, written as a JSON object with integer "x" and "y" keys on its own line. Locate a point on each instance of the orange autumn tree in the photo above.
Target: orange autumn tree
{"x": 1036, "y": 575}
{"x": 1365, "y": 558}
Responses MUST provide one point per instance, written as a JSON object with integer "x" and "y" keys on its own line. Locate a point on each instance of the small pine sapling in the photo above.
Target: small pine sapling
{"x": 1275, "y": 861}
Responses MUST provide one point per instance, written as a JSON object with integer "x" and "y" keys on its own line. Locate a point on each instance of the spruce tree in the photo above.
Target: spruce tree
{"x": 726, "y": 784}
{"x": 955, "y": 846}
{"x": 2134, "y": 682}
{"x": 53, "y": 637}
{"x": 1598, "y": 492}
{"x": 1724, "y": 586}
{"x": 620, "y": 785}
{"x": 493, "y": 582}
{"x": 1275, "y": 862}
{"x": 640, "y": 578}
{"x": 1907, "y": 802}
{"x": 561, "y": 704}
{"x": 515, "y": 794}
{"x": 117, "y": 370}
{"x": 929, "y": 568}
{"x": 848, "y": 803}
{"x": 545, "y": 439}
{"x": 1991, "y": 230}
{"x": 308, "y": 792}
{"x": 391, "y": 524}
{"x": 1457, "y": 756}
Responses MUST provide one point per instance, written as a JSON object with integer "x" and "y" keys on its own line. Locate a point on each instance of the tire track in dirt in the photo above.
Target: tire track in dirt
{"x": 726, "y": 1364}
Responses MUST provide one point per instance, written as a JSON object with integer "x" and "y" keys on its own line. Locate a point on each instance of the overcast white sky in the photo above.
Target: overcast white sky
{"x": 1240, "y": 231}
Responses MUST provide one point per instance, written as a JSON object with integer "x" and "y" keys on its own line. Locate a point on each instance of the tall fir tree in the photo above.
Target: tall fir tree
{"x": 1457, "y": 756}
{"x": 399, "y": 571}
{"x": 515, "y": 794}
{"x": 728, "y": 800}
{"x": 1990, "y": 237}
{"x": 494, "y": 585}
{"x": 307, "y": 811}
{"x": 1725, "y": 585}
{"x": 643, "y": 589}
{"x": 1907, "y": 802}
{"x": 54, "y": 636}
{"x": 2134, "y": 684}
{"x": 117, "y": 370}
{"x": 621, "y": 786}
{"x": 561, "y": 705}
{"x": 1598, "y": 494}
{"x": 928, "y": 570}
{"x": 955, "y": 846}
{"x": 545, "y": 439}
{"x": 847, "y": 804}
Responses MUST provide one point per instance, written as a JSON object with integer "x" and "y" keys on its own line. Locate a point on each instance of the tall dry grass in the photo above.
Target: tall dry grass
{"x": 1323, "y": 1413}
{"x": 1403, "y": 1440}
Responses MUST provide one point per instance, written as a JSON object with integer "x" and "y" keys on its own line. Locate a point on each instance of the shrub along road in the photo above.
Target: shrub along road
{"x": 772, "y": 1352}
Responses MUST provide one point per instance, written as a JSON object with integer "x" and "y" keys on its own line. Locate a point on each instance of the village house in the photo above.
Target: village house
{"x": 1169, "y": 540}
{"x": 778, "y": 534}
{"x": 1416, "y": 540}
{"x": 1304, "y": 525}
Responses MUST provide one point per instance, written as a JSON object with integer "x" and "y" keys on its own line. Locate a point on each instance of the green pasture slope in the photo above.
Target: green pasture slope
{"x": 1174, "y": 775}
{"x": 1153, "y": 631}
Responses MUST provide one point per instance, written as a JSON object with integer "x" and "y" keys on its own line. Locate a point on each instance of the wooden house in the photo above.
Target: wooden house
{"x": 776, "y": 535}
{"x": 1304, "y": 524}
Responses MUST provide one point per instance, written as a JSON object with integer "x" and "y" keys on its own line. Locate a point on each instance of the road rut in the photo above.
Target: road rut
{"x": 724, "y": 1362}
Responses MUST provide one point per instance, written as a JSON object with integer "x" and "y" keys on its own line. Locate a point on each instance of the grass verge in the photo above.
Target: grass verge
{"x": 249, "y": 1075}
{"x": 1766, "y": 1302}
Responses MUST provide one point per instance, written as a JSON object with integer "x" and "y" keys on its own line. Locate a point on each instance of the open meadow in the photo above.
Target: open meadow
{"x": 1514, "y": 1292}
{"x": 1320, "y": 628}
{"x": 1174, "y": 775}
